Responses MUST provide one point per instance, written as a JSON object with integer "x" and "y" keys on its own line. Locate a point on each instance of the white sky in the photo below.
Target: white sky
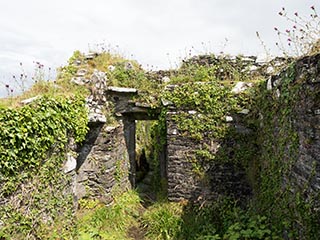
{"x": 155, "y": 33}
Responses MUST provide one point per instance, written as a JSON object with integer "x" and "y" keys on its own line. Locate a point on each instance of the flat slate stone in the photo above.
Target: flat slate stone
{"x": 122, "y": 90}
{"x": 29, "y": 100}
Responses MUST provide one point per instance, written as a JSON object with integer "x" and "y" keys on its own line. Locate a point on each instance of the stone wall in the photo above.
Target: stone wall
{"x": 304, "y": 174}
{"x": 192, "y": 178}
{"x": 231, "y": 179}
{"x": 307, "y": 168}
{"x": 184, "y": 182}
{"x": 243, "y": 66}
{"x": 102, "y": 163}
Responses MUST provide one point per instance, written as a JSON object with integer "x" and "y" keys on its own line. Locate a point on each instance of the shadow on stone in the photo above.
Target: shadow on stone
{"x": 85, "y": 149}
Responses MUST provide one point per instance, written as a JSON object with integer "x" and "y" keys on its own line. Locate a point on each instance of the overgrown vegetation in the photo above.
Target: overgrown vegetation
{"x": 40, "y": 131}
{"x": 289, "y": 212}
{"x": 208, "y": 104}
{"x": 303, "y": 37}
{"x": 34, "y": 141}
{"x": 97, "y": 221}
{"x": 120, "y": 72}
{"x": 127, "y": 219}
{"x": 263, "y": 217}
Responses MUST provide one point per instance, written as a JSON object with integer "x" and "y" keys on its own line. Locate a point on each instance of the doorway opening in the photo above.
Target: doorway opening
{"x": 147, "y": 156}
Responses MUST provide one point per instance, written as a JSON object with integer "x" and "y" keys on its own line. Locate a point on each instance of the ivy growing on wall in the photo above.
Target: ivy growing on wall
{"x": 204, "y": 107}
{"x": 289, "y": 213}
{"x": 268, "y": 153}
{"x": 28, "y": 133}
{"x": 34, "y": 141}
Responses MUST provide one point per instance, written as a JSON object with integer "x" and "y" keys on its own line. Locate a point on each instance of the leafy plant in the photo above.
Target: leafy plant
{"x": 203, "y": 108}
{"x": 34, "y": 145}
{"x": 252, "y": 228}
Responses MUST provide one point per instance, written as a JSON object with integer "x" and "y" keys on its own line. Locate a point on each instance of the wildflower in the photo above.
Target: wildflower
{"x": 7, "y": 86}
{"x": 276, "y": 29}
{"x": 289, "y": 39}
{"x": 280, "y": 13}
{"x": 11, "y": 90}
{"x": 294, "y": 26}
{"x": 111, "y": 68}
{"x": 296, "y": 14}
{"x": 129, "y": 66}
{"x": 287, "y": 31}
{"x": 283, "y": 9}
{"x": 313, "y": 8}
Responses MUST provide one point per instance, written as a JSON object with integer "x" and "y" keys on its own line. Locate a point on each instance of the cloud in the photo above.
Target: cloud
{"x": 153, "y": 32}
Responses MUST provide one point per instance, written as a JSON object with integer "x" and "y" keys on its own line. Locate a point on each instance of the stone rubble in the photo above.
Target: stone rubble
{"x": 241, "y": 87}
{"x": 70, "y": 164}
{"x": 225, "y": 178}
{"x": 29, "y": 100}
{"x": 249, "y": 65}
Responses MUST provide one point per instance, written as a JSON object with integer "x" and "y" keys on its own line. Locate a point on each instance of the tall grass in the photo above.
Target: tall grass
{"x": 109, "y": 222}
{"x": 163, "y": 221}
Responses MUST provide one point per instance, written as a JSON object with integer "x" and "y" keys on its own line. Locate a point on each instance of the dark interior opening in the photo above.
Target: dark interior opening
{"x": 142, "y": 167}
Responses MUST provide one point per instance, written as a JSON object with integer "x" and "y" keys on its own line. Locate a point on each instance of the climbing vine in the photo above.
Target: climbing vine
{"x": 203, "y": 108}
{"x": 34, "y": 145}
{"x": 285, "y": 208}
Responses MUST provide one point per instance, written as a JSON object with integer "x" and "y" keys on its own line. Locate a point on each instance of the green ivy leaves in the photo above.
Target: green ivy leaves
{"x": 204, "y": 107}
{"x": 27, "y": 134}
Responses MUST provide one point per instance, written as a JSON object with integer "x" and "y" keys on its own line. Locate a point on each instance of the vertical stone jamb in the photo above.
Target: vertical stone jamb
{"x": 130, "y": 137}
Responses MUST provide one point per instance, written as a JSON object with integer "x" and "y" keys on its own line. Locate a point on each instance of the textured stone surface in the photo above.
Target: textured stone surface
{"x": 306, "y": 171}
{"x": 102, "y": 164}
{"x": 240, "y": 87}
{"x": 184, "y": 182}
{"x": 246, "y": 65}
{"x": 178, "y": 165}
{"x": 70, "y": 164}
{"x": 29, "y": 100}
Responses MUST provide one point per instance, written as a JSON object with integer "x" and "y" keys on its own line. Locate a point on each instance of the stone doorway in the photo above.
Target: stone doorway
{"x": 133, "y": 114}
{"x": 141, "y": 152}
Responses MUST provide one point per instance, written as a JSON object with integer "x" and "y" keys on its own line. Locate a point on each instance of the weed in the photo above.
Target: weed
{"x": 163, "y": 221}
{"x": 103, "y": 222}
{"x": 302, "y": 37}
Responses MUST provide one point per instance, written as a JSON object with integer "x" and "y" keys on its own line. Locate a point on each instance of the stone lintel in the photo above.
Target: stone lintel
{"x": 122, "y": 90}
{"x": 141, "y": 113}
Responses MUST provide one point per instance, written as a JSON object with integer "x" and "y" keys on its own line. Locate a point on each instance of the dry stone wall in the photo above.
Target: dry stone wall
{"x": 102, "y": 164}
{"x": 304, "y": 174}
{"x": 192, "y": 178}
{"x": 302, "y": 112}
{"x": 107, "y": 144}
